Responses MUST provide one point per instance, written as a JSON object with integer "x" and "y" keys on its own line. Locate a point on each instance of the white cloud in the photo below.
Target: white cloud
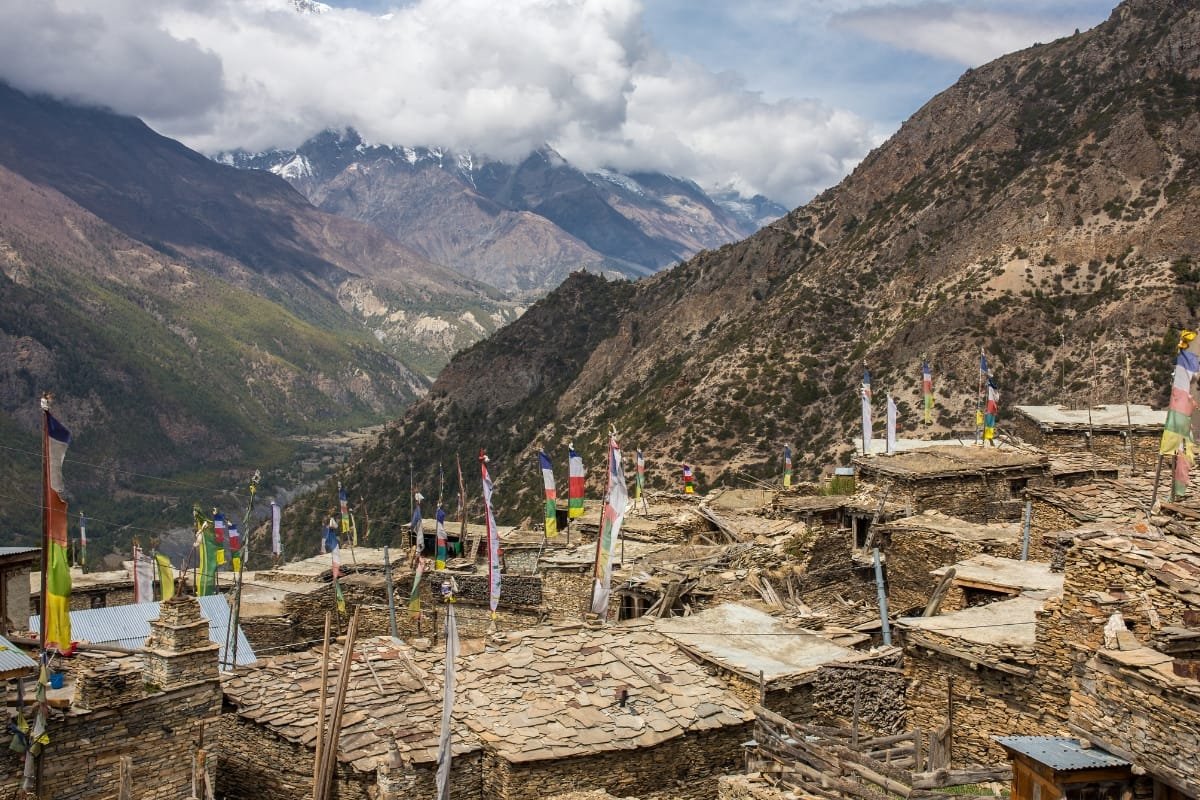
{"x": 964, "y": 35}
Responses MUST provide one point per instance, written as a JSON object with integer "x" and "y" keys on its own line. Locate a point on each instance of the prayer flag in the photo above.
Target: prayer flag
{"x": 82, "y": 540}
{"x": 143, "y": 577}
{"x": 551, "y": 506}
{"x": 989, "y": 414}
{"x": 336, "y": 561}
{"x": 927, "y": 390}
{"x": 414, "y": 596}
{"x": 440, "y": 555}
{"x": 276, "y": 543}
{"x": 891, "y": 425}
{"x": 575, "y": 477}
{"x": 787, "y": 465}
{"x": 417, "y": 524}
{"x": 56, "y": 604}
{"x": 689, "y": 486}
{"x": 493, "y": 536}
{"x": 219, "y": 536}
{"x": 866, "y": 411}
{"x": 206, "y": 551}
{"x": 616, "y": 499}
{"x": 331, "y": 540}
{"x": 343, "y": 509}
{"x": 1177, "y": 437}
{"x": 444, "y": 749}
{"x": 235, "y": 546}
{"x": 166, "y": 576}
{"x": 640, "y": 476}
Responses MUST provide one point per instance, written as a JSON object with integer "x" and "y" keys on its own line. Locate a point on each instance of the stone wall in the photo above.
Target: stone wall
{"x": 1140, "y": 717}
{"x": 16, "y": 598}
{"x": 987, "y": 702}
{"x": 159, "y": 732}
{"x": 566, "y": 591}
{"x": 683, "y": 768}
{"x": 913, "y": 554}
{"x": 830, "y": 572}
{"x": 475, "y": 618}
{"x": 975, "y": 498}
{"x": 1047, "y": 519}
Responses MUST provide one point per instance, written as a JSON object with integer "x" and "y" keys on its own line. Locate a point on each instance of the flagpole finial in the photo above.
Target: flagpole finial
{"x": 47, "y": 398}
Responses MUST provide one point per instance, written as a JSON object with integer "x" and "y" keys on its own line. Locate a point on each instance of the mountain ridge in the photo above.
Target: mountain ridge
{"x": 1041, "y": 208}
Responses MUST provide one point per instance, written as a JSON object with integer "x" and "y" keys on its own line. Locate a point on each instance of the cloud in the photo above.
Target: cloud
{"x": 497, "y": 78}
{"x": 964, "y": 35}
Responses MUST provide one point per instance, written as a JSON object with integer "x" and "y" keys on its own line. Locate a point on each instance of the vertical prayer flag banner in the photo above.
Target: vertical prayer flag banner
{"x": 143, "y": 577}
{"x": 444, "y": 750}
{"x": 787, "y": 465}
{"x": 493, "y": 536}
{"x": 343, "y": 509}
{"x": 1177, "y": 437}
{"x": 235, "y": 546}
{"x": 990, "y": 410}
{"x": 865, "y": 391}
{"x": 440, "y": 554}
{"x": 927, "y": 390}
{"x": 219, "y": 536}
{"x": 414, "y": 596}
{"x": 689, "y": 483}
{"x": 551, "y": 506}
{"x": 276, "y": 543}
{"x": 418, "y": 524}
{"x": 891, "y": 425}
{"x": 616, "y": 499}
{"x": 640, "y": 476}
{"x": 166, "y": 576}
{"x": 82, "y": 540}
{"x": 335, "y": 556}
{"x": 56, "y": 605}
{"x": 206, "y": 555}
{"x": 575, "y": 479}
{"x": 330, "y": 539}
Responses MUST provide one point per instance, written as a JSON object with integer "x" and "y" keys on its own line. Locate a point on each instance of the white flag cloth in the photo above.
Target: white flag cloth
{"x": 143, "y": 577}
{"x": 891, "y": 425}
{"x": 610, "y": 529}
{"x": 866, "y": 412}
{"x": 444, "y": 754}
{"x": 493, "y": 538}
{"x": 276, "y": 547}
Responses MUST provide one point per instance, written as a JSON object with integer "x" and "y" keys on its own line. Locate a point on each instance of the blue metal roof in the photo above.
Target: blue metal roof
{"x": 128, "y": 626}
{"x": 16, "y": 551}
{"x": 14, "y": 659}
{"x": 1060, "y": 753}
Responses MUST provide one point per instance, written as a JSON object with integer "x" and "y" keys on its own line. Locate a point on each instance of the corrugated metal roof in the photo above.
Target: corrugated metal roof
{"x": 16, "y": 551}
{"x": 128, "y": 626}
{"x": 1060, "y": 753}
{"x": 13, "y": 659}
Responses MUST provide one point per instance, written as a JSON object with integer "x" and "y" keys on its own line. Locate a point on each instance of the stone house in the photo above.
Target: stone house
{"x": 538, "y": 712}
{"x": 971, "y": 671}
{"x": 800, "y": 674}
{"x": 915, "y": 546}
{"x": 1125, "y": 435}
{"x": 153, "y": 708}
{"x": 1061, "y": 508}
{"x": 16, "y": 565}
{"x": 984, "y": 579}
{"x": 977, "y": 484}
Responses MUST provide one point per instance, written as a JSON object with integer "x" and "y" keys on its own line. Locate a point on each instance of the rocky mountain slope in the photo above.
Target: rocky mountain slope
{"x": 522, "y": 227}
{"x": 1043, "y": 208}
{"x": 192, "y": 318}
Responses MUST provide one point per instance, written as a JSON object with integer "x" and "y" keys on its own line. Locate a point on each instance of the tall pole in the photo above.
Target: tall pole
{"x": 979, "y": 407}
{"x": 45, "y": 520}
{"x": 387, "y": 578}
{"x": 882, "y": 595}
{"x": 1128, "y": 417}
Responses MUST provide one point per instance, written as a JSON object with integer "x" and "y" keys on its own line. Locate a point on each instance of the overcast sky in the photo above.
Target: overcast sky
{"x": 781, "y": 97}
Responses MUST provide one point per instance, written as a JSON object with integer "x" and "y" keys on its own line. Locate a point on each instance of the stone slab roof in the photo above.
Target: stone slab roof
{"x": 990, "y": 572}
{"x": 947, "y": 462}
{"x": 542, "y": 693}
{"x": 1172, "y": 560}
{"x": 553, "y": 693}
{"x": 1108, "y": 418}
{"x": 1076, "y": 463}
{"x": 1009, "y": 623}
{"x": 879, "y": 444}
{"x": 1104, "y": 499}
{"x": 936, "y": 522}
{"x": 749, "y": 642}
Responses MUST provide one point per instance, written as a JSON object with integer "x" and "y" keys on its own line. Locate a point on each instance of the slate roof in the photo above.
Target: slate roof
{"x": 937, "y": 522}
{"x": 1032, "y": 578}
{"x": 1170, "y": 559}
{"x": 945, "y": 462}
{"x": 1103, "y": 499}
{"x": 536, "y": 694}
{"x": 1103, "y": 418}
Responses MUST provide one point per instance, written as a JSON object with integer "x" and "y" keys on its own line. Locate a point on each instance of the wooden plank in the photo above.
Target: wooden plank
{"x": 917, "y": 640}
{"x": 958, "y": 777}
{"x": 939, "y": 594}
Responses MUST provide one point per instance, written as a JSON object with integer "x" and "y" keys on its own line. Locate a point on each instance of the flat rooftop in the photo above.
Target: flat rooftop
{"x": 936, "y": 522}
{"x": 749, "y": 642}
{"x": 1108, "y": 418}
{"x": 1006, "y": 622}
{"x": 879, "y": 444}
{"x": 946, "y": 462}
{"x": 1115, "y": 499}
{"x": 1006, "y": 574}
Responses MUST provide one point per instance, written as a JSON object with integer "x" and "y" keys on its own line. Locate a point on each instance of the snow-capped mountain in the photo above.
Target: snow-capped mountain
{"x": 522, "y": 227}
